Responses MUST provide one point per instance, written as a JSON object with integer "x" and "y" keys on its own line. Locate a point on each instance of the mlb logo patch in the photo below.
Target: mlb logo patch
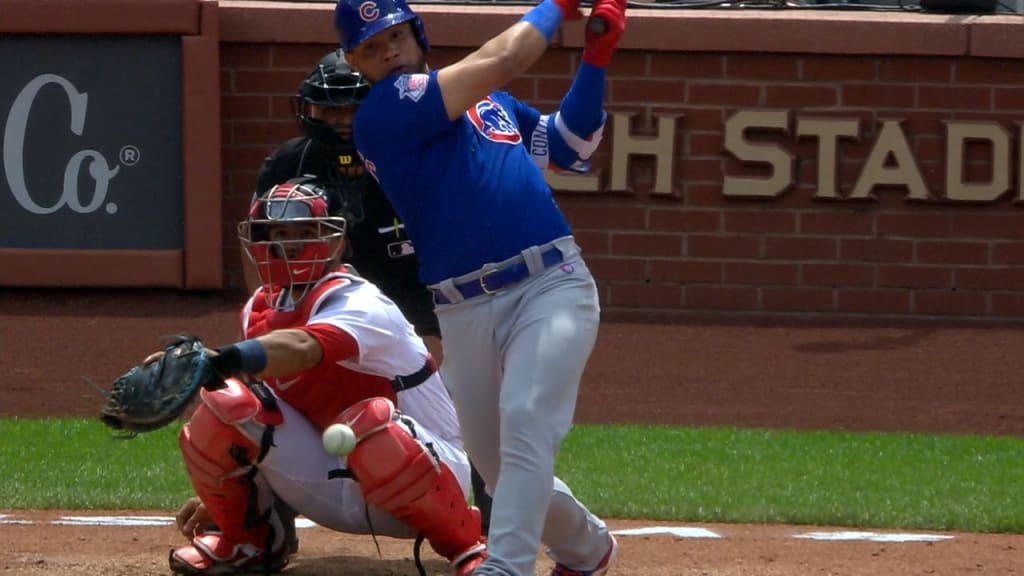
{"x": 412, "y": 86}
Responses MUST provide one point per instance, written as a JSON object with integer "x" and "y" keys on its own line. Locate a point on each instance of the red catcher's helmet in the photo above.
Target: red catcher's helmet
{"x": 290, "y": 236}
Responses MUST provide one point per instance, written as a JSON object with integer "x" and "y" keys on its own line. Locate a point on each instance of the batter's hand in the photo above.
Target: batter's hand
{"x": 192, "y": 518}
{"x": 570, "y": 9}
{"x": 600, "y": 45}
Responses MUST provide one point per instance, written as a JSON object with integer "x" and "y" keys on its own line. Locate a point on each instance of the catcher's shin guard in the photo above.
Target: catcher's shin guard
{"x": 220, "y": 461}
{"x": 401, "y": 476}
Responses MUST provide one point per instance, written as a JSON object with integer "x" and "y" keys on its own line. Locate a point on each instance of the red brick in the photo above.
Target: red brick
{"x": 845, "y": 275}
{"x": 955, "y": 97}
{"x": 839, "y": 69}
{"x": 875, "y": 250}
{"x": 721, "y": 298}
{"x": 683, "y": 220}
{"x": 642, "y": 244}
{"x": 735, "y": 247}
{"x": 298, "y": 56}
{"x": 1008, "y": 253}
{"x": 246, "y": 56}
{"x": 648, "y": 91}
{"x": 877, "y": 95}
{"x": 607, "y": 216}
{"x": 987, "y": 71}
{"x": 1007, "y": 305}
{"x": 253, "y": 106}
{"x": 873, "y": 301}
{"x": 836, "y": 223}
{"x": 718, "y": 94}
{"x": 761, "y": 273}
{"x": 645, "y": 295}
{"x": 611, "y": 269}
{"x": 593, "y": 241}
{"x": 1009, "y": 98}
{"x": 281, "y": 108}
{"x": 761, "y": 67}
{"x": 524, "y": 88}
{"x": 1008, "y": 278}
{"x": 952, "y": 252}
{"x": 700, "y": 169}
{"x": 686, "y": 65}
{"x": 685, "y": 271}
{"x": 704, "y": 195}
{"x": 915, "y": 277}
{"x": 704, "y": 144}
{"x": 243, "y": 157}
{"x": 760, "y": 222}
{"x": 916, "y": 70}
{"x": 948, "y": 303}
{"x": 800, "y": 248}
{"x": 791, "y": 299}
{"x": 265, "y": 133}
{"x": 807, "y": 97}
{"x": 625, "y": 64}
{"x": 703, "y": 119}
{"x": 269, "y": 81}
{"x": 978, "y": 226}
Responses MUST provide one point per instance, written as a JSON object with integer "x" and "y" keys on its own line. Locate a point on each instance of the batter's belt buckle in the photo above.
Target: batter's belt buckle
{"x": 483, "y": 282}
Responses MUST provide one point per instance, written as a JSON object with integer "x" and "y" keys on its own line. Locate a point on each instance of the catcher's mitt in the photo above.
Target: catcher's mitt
{"x": 150, "y": 396}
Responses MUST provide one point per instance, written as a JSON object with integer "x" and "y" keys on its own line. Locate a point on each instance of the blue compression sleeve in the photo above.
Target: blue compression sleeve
{"x": 582, "y": 109}
{"x": 545, "y": 17}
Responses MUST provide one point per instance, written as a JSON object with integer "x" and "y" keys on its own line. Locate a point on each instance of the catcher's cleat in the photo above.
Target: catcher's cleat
{"x": 211, "y": 554}
{"x": 602, "y": 566}
{"x": 464, "y": 563}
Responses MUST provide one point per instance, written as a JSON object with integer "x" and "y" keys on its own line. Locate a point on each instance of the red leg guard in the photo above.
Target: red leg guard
{"x": 216, "y": 454}
{"x": 399, "y": 475}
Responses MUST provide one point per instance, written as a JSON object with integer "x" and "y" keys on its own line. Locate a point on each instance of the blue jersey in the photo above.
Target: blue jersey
{"x": 468, "y": 190}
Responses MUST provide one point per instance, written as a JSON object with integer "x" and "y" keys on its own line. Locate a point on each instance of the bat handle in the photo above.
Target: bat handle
{"x": 598, "y": 25}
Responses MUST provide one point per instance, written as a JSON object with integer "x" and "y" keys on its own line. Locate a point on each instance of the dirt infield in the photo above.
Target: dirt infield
{"x": 923, "y": 378}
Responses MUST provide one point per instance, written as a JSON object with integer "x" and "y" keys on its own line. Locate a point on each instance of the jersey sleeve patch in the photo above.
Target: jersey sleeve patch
{"x": 412, "y": 86}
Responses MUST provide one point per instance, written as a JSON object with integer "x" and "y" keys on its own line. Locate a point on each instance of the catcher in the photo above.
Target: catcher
{"x": 321, "y": 346}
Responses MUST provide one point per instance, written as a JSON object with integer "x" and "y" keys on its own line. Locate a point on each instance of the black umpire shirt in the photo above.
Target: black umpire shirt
{"x": 379, "y": 248}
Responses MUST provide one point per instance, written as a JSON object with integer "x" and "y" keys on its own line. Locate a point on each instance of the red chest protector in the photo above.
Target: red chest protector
{"x": 322, "y": 392}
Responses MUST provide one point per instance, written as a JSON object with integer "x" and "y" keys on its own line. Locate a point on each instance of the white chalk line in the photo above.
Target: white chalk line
{"x": 679, "y": 532}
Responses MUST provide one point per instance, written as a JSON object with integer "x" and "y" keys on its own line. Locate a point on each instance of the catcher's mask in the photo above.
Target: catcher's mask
{"x": 357, "y": 20}
{"x": 293, "y": 236}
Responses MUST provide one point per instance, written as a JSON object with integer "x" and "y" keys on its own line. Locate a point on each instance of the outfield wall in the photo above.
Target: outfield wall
{"x": 756, "y": 162}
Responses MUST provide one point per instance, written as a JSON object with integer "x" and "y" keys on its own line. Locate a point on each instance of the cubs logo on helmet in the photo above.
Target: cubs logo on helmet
{"x": 493, "y": 122}
{"x": 368, "y": 11}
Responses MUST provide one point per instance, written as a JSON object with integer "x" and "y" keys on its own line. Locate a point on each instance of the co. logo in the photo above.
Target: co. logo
{"x": 98, "y": 168}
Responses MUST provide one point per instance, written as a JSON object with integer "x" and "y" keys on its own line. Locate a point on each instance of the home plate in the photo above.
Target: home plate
{"x": 873, "y": 537}
{"x": 675, "y": 531}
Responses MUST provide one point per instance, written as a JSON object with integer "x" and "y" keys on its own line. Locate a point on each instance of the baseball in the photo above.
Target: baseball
{"x": 339, "y": 439}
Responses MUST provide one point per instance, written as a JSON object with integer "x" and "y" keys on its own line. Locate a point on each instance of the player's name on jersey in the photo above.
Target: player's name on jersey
{"x": 760, "y": 151}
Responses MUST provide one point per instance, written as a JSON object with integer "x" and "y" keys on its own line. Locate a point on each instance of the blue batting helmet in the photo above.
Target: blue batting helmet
{"x": 357, "y": 20}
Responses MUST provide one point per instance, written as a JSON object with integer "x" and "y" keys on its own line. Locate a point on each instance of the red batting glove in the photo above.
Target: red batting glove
{"x": 599, "y": 47}
{"x": 570, "y": 9}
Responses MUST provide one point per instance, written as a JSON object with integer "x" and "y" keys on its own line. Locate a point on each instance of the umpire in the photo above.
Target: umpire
{"x": 379, "y": 248}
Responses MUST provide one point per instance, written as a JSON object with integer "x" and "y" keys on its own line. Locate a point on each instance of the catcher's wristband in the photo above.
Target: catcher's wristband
{"x": 245, "y": 357}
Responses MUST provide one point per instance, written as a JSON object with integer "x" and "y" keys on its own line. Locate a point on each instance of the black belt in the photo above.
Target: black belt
{"x": 418, "y": 377}
{"x": 492, "y": 281}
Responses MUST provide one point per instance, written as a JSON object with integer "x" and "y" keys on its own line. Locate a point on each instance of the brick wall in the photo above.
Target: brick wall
{"x": 698, "y": 251}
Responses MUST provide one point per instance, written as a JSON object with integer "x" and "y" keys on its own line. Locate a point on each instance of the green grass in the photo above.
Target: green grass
{"x": 909, "y": 481}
